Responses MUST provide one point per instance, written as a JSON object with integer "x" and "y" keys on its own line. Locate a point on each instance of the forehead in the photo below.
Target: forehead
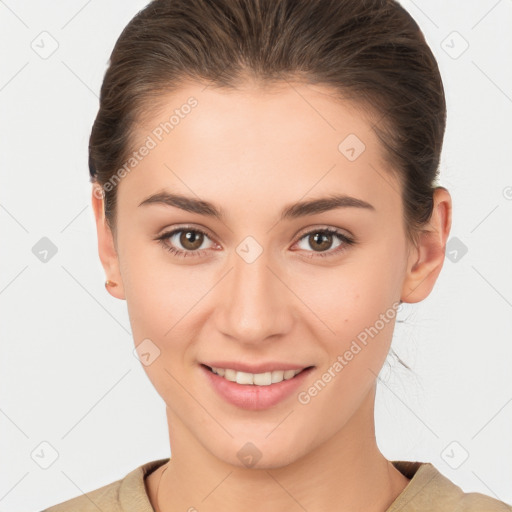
{"x": 283, "y": 142}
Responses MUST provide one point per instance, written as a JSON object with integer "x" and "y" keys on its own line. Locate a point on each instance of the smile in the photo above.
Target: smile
{"x": 256, "y": 379}
{"x": 254, "y": 391}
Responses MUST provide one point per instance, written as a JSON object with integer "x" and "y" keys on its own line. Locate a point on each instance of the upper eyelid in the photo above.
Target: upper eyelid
{"x": 338, "y": 231}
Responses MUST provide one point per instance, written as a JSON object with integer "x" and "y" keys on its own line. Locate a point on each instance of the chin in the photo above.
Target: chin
{"x": 257, "y": 452}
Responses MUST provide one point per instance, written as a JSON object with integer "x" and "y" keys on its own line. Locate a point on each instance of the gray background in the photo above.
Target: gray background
{"x": 72, "y": 387}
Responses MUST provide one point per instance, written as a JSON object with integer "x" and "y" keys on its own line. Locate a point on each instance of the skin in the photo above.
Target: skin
{"x": 251, "y": 152}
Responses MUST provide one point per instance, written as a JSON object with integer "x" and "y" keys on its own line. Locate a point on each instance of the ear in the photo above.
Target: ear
{"x": 427, "y": 258}
{"x": 106, "y": 246}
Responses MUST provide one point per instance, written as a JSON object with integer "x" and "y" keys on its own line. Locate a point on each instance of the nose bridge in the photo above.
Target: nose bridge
{"x": 254, "y": 307}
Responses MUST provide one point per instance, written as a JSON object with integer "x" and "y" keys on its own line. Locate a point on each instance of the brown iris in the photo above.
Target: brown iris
{"x": 324, "y": 241}
{"x": 191, "y": 240}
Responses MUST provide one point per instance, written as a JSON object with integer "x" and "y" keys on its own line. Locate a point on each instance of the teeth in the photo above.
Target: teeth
{"x": 258, "y": 379}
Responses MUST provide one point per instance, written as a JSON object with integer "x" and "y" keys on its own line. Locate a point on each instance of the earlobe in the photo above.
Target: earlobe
{"x": 426, "y": 261}
{"x": 106, "y": 246}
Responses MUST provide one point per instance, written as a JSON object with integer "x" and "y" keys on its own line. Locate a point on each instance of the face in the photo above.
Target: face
{"x": 262, "y": 281}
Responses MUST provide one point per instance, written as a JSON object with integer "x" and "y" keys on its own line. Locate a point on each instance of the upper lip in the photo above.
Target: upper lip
{"x": 269, "y": 366}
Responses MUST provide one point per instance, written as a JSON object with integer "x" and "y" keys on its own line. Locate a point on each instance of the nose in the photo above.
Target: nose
{"x": 255, "y": 303}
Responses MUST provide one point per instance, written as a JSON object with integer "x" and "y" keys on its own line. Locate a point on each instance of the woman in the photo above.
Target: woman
{"x": 264, "y": 186}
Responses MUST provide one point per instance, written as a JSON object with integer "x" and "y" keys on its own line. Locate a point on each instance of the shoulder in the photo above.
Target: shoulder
{"x": 116, "y": 496}
{"x": 429, "y": 490}
{"x": 104, "y": 498}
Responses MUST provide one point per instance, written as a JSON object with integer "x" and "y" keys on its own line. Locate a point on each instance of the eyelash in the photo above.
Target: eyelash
{"x": 322, "y": 254}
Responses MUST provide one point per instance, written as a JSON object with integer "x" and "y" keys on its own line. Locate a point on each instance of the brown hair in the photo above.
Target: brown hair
{"x": 370, "y": 50}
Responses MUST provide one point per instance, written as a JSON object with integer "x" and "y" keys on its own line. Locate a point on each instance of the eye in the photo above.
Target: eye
{"x": 190, "y": 242}
{"x": 321, "y": 240}
{"x": 190, "y": 239}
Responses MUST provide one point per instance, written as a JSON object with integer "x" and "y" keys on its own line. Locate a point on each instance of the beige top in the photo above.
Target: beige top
{"x": 427, "y": 491}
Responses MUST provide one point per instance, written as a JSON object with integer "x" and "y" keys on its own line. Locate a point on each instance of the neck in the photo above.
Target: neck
{"x": 345, "y": 473}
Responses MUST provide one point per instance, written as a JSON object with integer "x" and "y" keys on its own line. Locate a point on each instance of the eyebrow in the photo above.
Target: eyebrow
{"x": 293, "y": 211}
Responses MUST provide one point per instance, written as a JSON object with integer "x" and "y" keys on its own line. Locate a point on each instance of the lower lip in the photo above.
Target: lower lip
{"x": 252, "y": 397}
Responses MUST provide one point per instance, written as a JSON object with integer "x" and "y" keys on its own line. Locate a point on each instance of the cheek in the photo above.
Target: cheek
{"x": 157, "y": 293}
{"x": 348, "y": 297}
{"x": 352, "y": 310}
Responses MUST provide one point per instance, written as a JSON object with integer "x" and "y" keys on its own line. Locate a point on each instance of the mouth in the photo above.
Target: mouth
{"x": 255, "y": 391}
{"x": 256, "y": 379}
